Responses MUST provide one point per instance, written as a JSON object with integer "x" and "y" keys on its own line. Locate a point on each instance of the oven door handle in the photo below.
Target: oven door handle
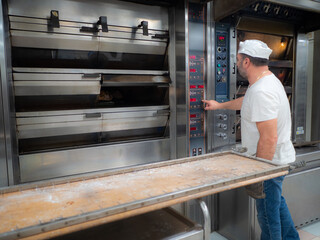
{"x": 161, "y": 112}
{"x": 91, "y": 75}
{"x": 94, "y": 29}
{"x": 93, "y": 115}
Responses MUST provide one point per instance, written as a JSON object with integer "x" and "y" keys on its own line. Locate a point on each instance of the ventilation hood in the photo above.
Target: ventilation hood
{"x": 303, "y": 14}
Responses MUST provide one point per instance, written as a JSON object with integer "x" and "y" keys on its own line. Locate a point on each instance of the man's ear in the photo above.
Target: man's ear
{"x": 246, "y": 61}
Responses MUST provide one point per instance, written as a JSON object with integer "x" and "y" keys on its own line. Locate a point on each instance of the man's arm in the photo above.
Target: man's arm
{"x": 214, "y": 105}
{"x": 268, "y": 139}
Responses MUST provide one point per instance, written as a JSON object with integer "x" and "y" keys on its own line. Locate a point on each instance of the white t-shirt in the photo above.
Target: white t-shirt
{"x": 266, "y": 99}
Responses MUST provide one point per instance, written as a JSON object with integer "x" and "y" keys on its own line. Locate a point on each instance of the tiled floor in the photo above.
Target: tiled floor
{"x": 310, "y": 232}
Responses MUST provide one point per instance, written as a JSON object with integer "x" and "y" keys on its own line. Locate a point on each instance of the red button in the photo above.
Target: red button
{"x": 200, "y": 86}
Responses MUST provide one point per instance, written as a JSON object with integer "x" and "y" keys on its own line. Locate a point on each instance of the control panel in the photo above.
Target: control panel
{"x": 222, "y": 63}
{"x": 224, "y": 130}
{"x": 196, "y": 79}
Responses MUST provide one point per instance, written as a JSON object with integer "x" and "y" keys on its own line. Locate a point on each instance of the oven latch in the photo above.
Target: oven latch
{"x": 144, "y": 25}
{"x": 102, "y": 21}
{"x": 54, "y": 21}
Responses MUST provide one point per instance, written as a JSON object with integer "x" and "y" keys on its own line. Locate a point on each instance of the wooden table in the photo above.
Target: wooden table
{"x": 52, "y": 208}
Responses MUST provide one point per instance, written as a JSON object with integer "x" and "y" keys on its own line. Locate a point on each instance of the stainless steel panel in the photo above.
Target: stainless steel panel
{"x": 234, "y": 219}
{"x": 308, "y": 156}
{"x": 316, "y": 86}
{"x": 300, "y": 92}
{"x": 68, "y": 122}
{"x": 127, "y": 80}
{"x": 54, "y": 77}
{"x": 181, "y": 32}
{"x": 74, "y": 28}
{"x": 118, "y": 13}
{"x": 54, "y": 41}
{"x": 3, "y": 155}
{"x": 89, "y": 126}
{"x": 94, "y": 110}
{"x": 37, "y": 88}
{"x": 86, "y": 43}
{"x": 8, "y": 154}
{"x": 88, "y": 71}
{"x": 129, "y": 46}
{"x": 210, "y": 74}
{"x": 233, "y": 79}
{"x": 48, "y": 165}
{"x": 302, "y": 193}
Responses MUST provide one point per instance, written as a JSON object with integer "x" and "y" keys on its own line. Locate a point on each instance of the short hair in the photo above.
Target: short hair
{"x": 256, "y": 61}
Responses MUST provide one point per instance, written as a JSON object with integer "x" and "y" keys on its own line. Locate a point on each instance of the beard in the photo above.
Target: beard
{"x": 241, "y": 71}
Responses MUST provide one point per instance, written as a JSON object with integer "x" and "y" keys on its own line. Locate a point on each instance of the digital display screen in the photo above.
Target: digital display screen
{"x": 221, "y": 38}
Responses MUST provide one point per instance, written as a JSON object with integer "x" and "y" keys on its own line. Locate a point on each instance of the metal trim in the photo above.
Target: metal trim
{"x": 11, "y": 155}
{"x": 87, "y": 71}
{"x": 84, "y": 111}
{"x": 105, "y": 173}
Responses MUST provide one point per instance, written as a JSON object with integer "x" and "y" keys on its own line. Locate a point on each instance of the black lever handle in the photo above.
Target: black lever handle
{"x": 104, "y": 24}
{"x": 54, "y": 19}
{"x": 144, "y": 25}
{"x": 102, "y": 21}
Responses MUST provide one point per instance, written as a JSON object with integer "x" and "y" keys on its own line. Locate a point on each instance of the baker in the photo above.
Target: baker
{"x": 265, "y": 132}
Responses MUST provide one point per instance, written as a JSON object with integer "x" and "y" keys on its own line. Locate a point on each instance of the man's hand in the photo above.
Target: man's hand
{"x": 211, "y": 105}
{"x": 214, "y": 105}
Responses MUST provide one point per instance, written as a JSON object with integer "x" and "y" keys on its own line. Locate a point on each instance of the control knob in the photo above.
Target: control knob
{"x": 223, "y": 117}
{"x": 223, "y": 126}
{"x": 222, "y": 135}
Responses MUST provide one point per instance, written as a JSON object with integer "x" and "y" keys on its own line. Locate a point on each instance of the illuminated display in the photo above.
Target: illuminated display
{"x": 193, "y": 99}
{"x": 192, "y": 70}
{"x": 193, "y": 129}
{"x": 200, "y": 86}
{"x": 221, "y": 39}
{"x": 193, "y": 86}
{"x": 193, "y": 115}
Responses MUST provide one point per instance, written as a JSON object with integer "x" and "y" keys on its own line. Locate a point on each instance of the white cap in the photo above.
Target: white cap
{"x": 255, "y": 48}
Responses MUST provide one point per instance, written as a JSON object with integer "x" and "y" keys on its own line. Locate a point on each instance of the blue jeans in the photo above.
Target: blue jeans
{"x": 273, "y": 214}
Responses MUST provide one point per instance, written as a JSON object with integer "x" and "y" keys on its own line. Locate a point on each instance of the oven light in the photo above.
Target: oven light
{"x": 282, "y": 43}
